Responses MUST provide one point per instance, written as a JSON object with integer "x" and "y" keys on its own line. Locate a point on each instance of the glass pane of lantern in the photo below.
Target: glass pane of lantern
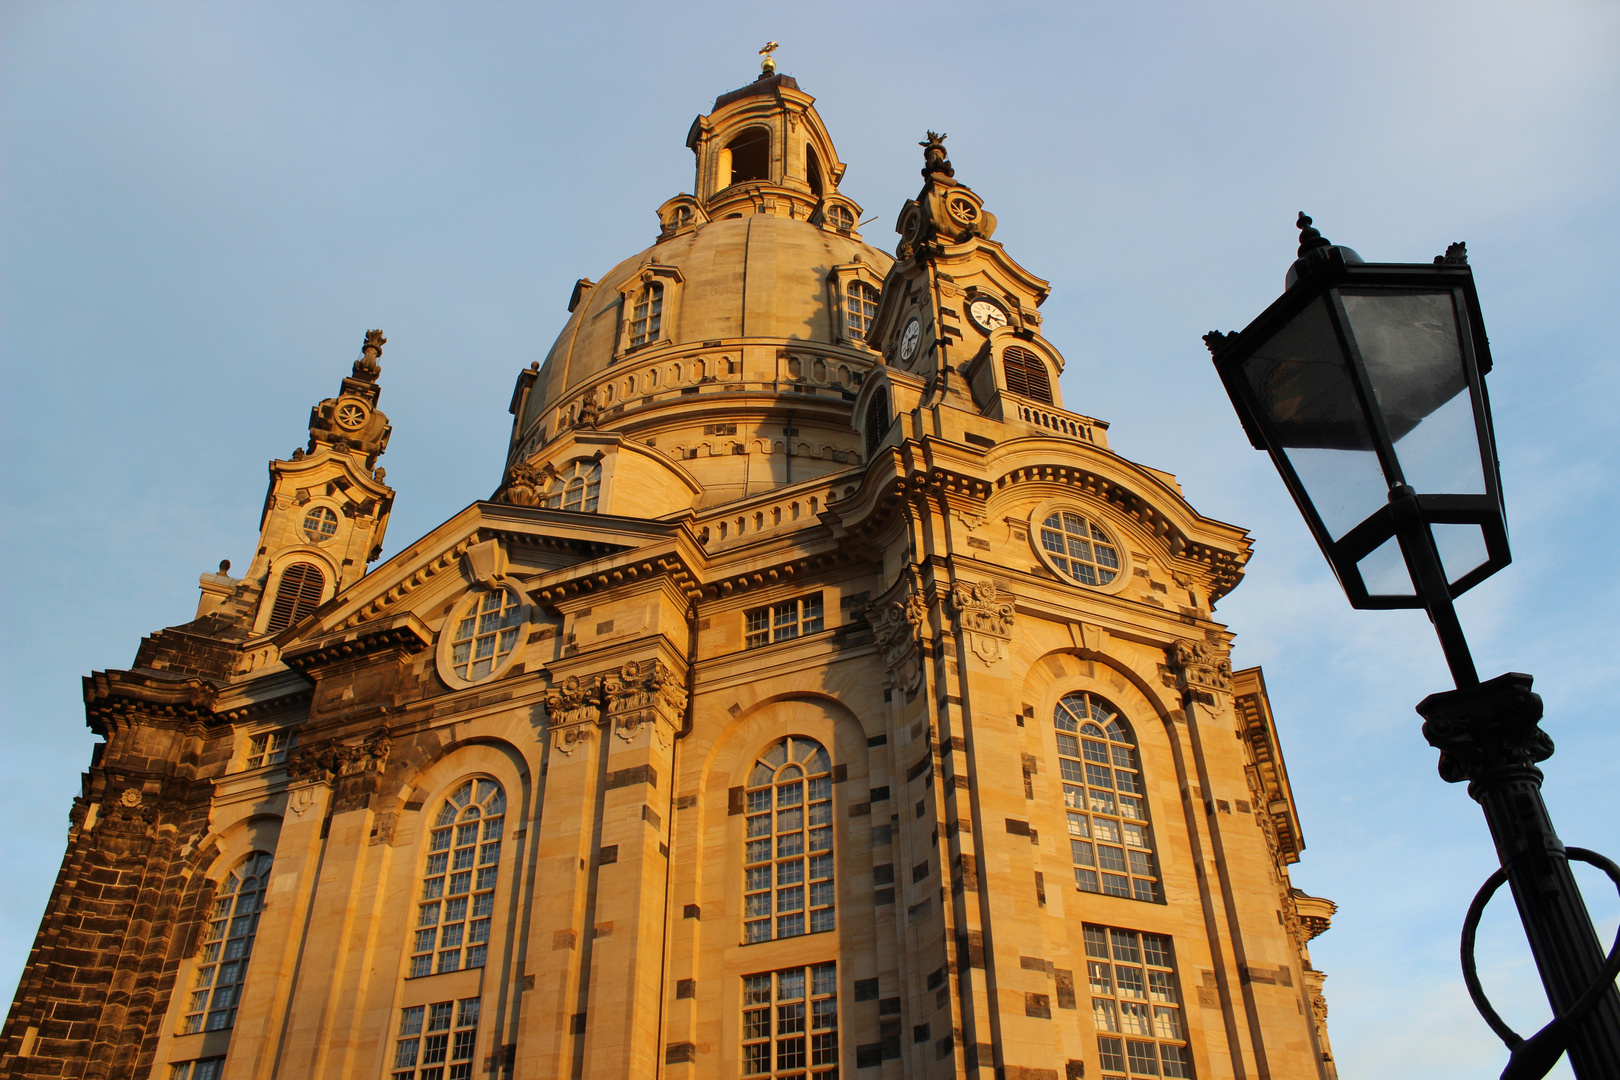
{"x": 1409, "y": 342}
{"x": 1302, "y": 383}
{"x": 1383, "y": 570}
{"x": 1462, "y": 549}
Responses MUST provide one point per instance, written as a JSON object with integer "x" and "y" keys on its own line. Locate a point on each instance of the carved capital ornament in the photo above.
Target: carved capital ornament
{"x": 985, "y": 620}
{"x": 1198, "y": 664}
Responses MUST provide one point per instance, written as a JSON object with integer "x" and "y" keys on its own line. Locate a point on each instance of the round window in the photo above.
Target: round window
{"x": 484, "y": 634}
{"x": 320, "y": 524}
{"x": 1078, "y": 548}
{"x": 351, "y": 415}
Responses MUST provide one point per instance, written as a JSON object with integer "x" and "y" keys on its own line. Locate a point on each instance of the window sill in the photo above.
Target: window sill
{"x": 780, "y": 940}
{"x": 825, "y": 632}
{"x": 436, "y": 974}
{"x": 1129, "y": 899}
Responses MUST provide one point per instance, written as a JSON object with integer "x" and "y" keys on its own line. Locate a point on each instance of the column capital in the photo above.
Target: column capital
{"x": 1198, "y": 664}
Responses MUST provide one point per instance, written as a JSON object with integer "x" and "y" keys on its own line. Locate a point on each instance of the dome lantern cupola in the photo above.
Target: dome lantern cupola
{"x": 764, "y": 149}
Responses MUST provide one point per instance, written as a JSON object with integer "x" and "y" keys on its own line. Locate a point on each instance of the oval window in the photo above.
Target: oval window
{"x": 1078, "y": 548}
{"x": 482, "y": 636}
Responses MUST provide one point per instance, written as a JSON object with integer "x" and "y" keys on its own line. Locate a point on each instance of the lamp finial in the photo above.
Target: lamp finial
{"x": 1456, "y": 255}
{"x": 767, "y": 62}
{"x": 1309, "y": 238}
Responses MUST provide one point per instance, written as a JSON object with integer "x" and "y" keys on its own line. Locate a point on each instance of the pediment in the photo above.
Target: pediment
{"x": 533, "y": 543}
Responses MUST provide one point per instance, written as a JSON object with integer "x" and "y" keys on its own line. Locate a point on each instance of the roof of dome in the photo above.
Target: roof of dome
{"x": 758, "y": 276}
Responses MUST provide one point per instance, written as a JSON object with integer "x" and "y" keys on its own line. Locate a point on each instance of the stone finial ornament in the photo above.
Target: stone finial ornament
{"x": 525, "y": 486}
{"x": 588, "y": 411}
{"x": 934, "y": 159}
{"x": 367, "y": 368}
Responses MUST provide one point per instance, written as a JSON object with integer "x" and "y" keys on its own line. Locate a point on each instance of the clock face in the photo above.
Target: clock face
{"x": 987, "y": 315}
{"x": 908, "y": 340}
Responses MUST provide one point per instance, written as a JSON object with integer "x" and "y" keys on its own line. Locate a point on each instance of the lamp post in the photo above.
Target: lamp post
{"x": 1365, "y": 383}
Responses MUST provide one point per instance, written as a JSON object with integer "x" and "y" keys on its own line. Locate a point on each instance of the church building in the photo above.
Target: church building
{"x": 817, "y": 695}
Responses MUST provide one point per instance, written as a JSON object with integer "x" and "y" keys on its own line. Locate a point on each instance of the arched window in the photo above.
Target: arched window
{"x": 877, "y": 420}
{"x": 860, "y": 308}
{"x": 227, "y": 943}
{"x": 575, "y": 487}
{"x": 298, "y": 594}
{"x": 812, "y": 169}
{"x": 1110, "y": 839}
{"x": 647, "y": 315}
{"x": 788, "y": 862}
{"x": 840, "y": 217}
{"x": 458, "y": 883}
{"x": 1026, "y": 375}
{"x": 750, "y": 156}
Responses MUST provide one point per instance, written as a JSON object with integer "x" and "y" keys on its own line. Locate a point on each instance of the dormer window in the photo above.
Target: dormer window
{"x": 647, "y": 315}
{"x": 649, "y": 308}
{"x": 840, "y": 217}
{"x": 860, "y": 308}
{"x": 853, "y": 293}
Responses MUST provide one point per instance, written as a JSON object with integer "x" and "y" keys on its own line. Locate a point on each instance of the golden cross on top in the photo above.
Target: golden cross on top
{"x": 767, "y": 63}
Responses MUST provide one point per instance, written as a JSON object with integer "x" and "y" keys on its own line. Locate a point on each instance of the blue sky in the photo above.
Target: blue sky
{"x": 203, "y": 207}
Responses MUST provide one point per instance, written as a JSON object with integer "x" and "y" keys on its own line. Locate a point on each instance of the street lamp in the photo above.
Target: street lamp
{"x": 1365, "y": 383}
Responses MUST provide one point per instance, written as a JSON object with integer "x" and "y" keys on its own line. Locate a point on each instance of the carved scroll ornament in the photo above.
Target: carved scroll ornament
{"x": 897, "y": 627}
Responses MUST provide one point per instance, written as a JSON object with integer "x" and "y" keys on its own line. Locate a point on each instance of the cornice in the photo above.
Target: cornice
{"x": 514, "y": 525}
{"x": 404, "y": 632}
{"x": 573, "y": 581}
{"x": 1223, "y": 563}
{"x": 953, "y": 255}
{"x": 109, "y": 695}
{"x": 252, "y": 710}
{"x": 1273, "y": 795}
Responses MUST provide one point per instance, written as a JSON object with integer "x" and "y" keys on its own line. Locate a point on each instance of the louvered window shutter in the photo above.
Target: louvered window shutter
{"x": 1026, "y": 375}
{"x": 298, "y": 594}
{"x": 877, "y": 421}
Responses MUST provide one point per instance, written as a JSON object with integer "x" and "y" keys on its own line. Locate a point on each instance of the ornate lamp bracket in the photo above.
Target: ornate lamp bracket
{"x": 1486, "y": 732}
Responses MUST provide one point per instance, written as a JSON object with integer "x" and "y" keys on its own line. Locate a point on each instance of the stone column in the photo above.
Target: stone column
{"x": 550, "y": 1040}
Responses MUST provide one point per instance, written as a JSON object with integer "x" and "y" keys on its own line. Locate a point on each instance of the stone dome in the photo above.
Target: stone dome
{"x": 758, "y": 276}
{"x": 724, "y": 361}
